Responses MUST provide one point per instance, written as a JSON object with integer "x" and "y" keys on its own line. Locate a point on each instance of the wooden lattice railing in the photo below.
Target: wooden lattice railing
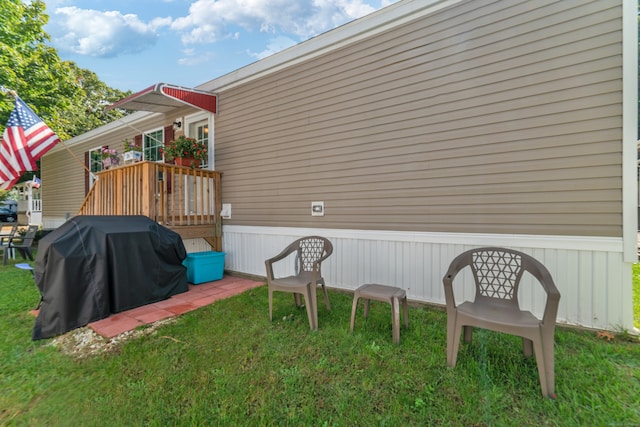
{"x": 184, "y": 199}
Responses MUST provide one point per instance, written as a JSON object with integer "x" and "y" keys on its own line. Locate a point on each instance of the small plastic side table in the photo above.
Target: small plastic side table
{"x": 390, "y": 294}
{"x": 25, "y": 267}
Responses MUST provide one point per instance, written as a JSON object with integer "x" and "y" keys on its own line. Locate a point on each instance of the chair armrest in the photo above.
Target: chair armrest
{"x": 542, "y": 274}
{"x": 448, "y": 290}
{"x": 458, "y": 263}
{"x": 282, "y": 255}
{"x": 553, "y": 299}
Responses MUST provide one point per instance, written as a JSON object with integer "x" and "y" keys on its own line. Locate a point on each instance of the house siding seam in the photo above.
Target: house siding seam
{"x": 498, "y": 118}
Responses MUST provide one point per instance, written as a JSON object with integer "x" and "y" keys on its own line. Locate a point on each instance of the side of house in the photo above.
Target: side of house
{"x": 431, "y": 127}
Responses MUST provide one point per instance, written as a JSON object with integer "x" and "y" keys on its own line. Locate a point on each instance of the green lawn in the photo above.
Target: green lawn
{"x": 226, "y": 364}
{"x": 636, "y": 296}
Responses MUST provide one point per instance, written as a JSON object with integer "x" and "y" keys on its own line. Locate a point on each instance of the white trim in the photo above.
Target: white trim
{"x": 384, "y": 19}
{"x": 630, "y": 130}
{"x": 579, "y": 243}
{"x": 144, "y": 135}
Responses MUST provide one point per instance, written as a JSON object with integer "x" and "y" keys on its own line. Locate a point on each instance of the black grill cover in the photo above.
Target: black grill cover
{"x": 93, "y": 266}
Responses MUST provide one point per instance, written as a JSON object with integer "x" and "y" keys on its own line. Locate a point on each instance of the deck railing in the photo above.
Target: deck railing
{"x": 184, "y": 199}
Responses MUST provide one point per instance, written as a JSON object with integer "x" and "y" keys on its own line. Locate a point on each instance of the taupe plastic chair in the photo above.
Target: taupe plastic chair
{"x": 23, "y": 242}
{"x": 310, "y": 252}
{"x": 497, "y": 273}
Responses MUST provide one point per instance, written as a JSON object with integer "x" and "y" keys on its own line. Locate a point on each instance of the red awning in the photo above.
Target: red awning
{"x": 163, "y": 97}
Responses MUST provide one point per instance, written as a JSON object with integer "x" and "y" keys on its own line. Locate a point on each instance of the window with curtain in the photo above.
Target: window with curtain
{"x": 152, "y": 142}
{"x": 200, "y": 132}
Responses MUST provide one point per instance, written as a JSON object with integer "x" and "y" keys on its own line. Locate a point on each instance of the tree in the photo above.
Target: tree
{"x": 32, "y": 68}
{"x": 70, "y": 100}
{"x": 95, "y": 96}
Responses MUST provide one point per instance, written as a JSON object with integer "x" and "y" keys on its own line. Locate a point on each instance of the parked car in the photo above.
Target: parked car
{"x": 7, "y": 215}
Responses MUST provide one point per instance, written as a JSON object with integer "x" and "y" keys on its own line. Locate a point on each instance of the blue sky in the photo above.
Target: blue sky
{"x": 132, "y": 44}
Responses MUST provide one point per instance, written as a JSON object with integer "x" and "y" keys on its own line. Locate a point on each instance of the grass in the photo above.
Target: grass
{"x": 636, "y": 296}
{"x": 226, "y": 364}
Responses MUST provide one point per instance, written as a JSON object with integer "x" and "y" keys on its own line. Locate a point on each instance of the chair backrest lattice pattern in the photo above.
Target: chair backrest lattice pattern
{"x": 497, "y": 273}
{"x": 310, "y": 251}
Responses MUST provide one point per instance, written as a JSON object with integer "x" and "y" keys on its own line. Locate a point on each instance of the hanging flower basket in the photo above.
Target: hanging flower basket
{"x": 185, "y": 148}
{"x": 187, "y": 161}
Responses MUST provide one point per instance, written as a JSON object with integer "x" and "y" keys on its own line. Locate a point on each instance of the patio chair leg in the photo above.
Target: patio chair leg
{"x": 354, "y": 308}
{"x": 527, "y": 347}
{"x": 326, "y": 298}
{"x": 453, "y": 340}
{"x": 395, "y": 321}
{"x": 311, "y": 311}
{"x": 270, "y": 305}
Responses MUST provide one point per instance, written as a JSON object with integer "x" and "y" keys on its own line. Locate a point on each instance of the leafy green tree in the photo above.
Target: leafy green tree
{"x": 69, "y": 99}
{"x": 30, "y": 67}
{"x": 95, "y": 96}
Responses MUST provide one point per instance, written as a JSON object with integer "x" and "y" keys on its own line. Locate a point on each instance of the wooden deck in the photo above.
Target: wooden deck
{"x": 180, "y": 198}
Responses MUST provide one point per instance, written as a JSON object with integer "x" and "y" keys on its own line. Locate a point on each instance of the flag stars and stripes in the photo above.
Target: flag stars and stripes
{"x": 26, "y": 138}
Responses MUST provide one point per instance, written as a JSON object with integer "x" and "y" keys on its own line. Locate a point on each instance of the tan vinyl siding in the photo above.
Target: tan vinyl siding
{"x": 63, "y": 186}
{"x": 63, "y": 177}
{"x": 492, "y": 118}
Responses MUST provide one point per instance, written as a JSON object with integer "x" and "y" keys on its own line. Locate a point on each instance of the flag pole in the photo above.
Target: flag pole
{"x": 78, "y": 160}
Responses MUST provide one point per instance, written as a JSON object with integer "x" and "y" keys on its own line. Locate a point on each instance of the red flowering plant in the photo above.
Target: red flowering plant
{"x": 186, "y": 148}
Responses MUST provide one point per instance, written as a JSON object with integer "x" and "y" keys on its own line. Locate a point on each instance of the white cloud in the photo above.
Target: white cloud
{"x": 273, "y": 46}
{"x": 103, "y": 34}
{"x": 113, "y": 33}
{"x": 192, "y": 57}
{"x": 208, "y": 20}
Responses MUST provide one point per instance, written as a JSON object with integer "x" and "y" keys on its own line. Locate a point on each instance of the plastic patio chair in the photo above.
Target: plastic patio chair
{"x": 310, "y": 252}
{"x": 23, "y": 242}
{"x": 7, "y": 231}
{"x": 497, "y": 273}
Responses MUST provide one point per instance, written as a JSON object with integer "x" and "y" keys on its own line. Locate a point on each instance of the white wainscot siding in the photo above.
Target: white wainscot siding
{"x": 594, "y": 281}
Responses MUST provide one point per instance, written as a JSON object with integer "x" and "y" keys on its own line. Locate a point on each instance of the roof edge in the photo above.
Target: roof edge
{"x": 381, "y": 20}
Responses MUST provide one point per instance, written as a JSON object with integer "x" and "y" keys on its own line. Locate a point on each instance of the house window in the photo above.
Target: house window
{"x": 200, "y": 132}
{"x": 95, "y": 163}
{"x": 197, "y": 128}
{"x": 152, "y": 142}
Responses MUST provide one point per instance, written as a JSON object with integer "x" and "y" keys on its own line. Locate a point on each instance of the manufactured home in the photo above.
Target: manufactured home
{"x": 405, "y": 137}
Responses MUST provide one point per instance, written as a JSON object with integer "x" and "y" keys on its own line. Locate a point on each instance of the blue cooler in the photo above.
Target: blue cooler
{"x": 204, "y": 266}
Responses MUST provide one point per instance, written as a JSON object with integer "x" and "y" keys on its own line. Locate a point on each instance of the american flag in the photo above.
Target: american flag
{"x": 26, "y": 138}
